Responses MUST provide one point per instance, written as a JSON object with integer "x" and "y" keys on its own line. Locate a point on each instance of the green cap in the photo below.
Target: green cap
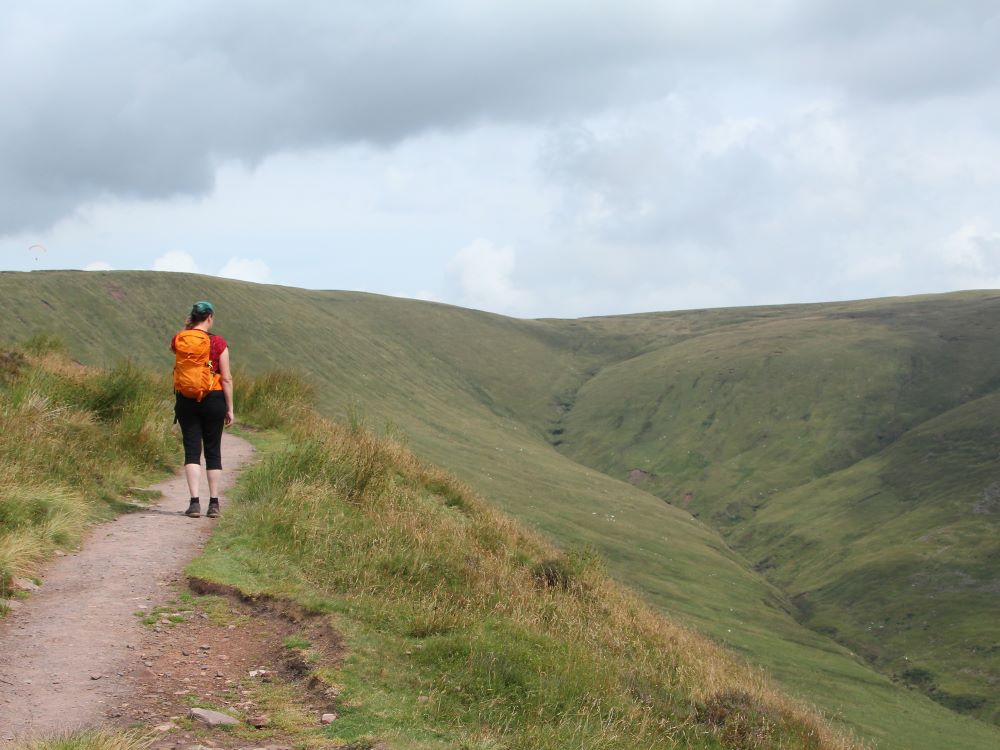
{"x": 204, "y": 308}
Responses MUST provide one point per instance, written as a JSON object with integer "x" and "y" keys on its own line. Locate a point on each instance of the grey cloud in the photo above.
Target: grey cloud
{"x": 789, "y": 205}
{"x": 145, "y": 100}
{"x": 138, "y": 101}
{"x": 652, "y": 185}
{"x": 897, "y": 49}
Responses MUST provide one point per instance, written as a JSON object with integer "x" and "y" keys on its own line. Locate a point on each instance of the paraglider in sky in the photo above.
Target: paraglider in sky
{"x": 37, "y": 248}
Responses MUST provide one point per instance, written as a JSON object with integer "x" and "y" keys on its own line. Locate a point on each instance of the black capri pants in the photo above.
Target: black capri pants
{"x": 202, "y": 423}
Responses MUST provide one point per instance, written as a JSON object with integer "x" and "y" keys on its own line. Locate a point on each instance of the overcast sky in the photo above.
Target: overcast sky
{"x": 532, "y": 158}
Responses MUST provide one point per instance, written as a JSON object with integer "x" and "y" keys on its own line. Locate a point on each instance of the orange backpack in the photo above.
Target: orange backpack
{"x": 194, "y": 376}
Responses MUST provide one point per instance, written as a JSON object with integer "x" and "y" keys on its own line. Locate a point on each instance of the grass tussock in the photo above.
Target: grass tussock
{"x": 72, "y": 439}
{"x": 97, "y": 739}
{"x": 274, "y": 399}
{"x": 499, "y": 637}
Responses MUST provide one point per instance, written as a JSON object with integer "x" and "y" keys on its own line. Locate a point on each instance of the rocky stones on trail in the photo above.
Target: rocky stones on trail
{"x": 212, "y": 718}
{"x": 327, "y": 718}
{"x": 25, "y": 584}
{"x": 259, "y": 721}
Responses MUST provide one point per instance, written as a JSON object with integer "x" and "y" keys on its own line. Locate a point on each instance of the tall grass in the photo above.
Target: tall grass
{"x": 507, "y": 638}
{"x": 72, "y": 439}
{"x": 94, "y": 739}
{"x": 272, "y": 399}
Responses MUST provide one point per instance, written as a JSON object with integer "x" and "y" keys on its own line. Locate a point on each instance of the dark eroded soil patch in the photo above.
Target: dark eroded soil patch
{"x": 235, "y": 656}
{"x": 638, "y": 476}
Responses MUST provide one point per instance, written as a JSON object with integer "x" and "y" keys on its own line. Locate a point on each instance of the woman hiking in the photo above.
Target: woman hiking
{"x": 203, "y": 385}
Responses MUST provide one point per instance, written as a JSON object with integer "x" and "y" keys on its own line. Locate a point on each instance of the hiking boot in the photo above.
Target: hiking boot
{"x": 213, "y": 508}
{"x": 194, "y": 510}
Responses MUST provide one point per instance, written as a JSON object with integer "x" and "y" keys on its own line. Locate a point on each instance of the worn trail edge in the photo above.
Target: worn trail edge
{"x": 72, "y": 651}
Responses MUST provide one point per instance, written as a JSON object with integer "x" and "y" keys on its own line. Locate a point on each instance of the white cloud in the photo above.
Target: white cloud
{"x": 176, "y": 260}
{"x": 425, "y": 295}
{"x": 98, "y": 265}
{"x": 484, "y": 274}
{"x": 974, "y": 248}
{"x": 862, "y": 266}
{"x": 246, "y": 269}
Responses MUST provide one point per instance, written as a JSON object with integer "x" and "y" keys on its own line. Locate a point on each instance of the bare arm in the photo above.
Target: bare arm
{"x": 227, "y": 384}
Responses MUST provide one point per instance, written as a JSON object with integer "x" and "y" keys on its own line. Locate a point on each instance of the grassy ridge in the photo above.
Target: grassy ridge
{"x": 486, "y": 396}
{"x": 486, "y": 636}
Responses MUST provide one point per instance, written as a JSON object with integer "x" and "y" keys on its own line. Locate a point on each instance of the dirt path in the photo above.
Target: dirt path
{"x": 73, "y": 650}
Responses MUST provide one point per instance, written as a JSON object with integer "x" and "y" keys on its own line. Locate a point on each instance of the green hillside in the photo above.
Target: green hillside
{"x": 496, "y": 641}
{"x": 850, "y": 452}
{"x": 546, "y": 418}
{"x": 465, "y": 630}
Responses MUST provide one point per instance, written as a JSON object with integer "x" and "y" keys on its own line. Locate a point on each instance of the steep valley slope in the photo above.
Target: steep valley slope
{"x": 850, "y": 451}
{"x": 843, "y": 450}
